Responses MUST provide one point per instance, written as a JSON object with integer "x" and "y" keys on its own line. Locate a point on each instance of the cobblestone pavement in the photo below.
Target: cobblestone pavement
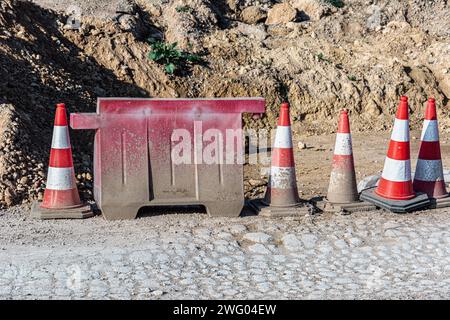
{"x": 372, "y": 255}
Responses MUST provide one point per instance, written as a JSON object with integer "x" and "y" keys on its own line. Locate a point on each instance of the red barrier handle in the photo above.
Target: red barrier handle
{"x": 84, "y": 121}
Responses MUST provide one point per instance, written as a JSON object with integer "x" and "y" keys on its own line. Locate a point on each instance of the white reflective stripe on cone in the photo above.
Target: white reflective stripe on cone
{"x": 60, "y": 179}
{"x": 396, "y": 170}
{"x": 430, "y": 131}
{"x": 60, "y": 138}
{"x": 283, "y": 137}
{"x": 400, "y": 132}
{"x": 282, "y": 178}
{"x": 343, "y": 145}
{"x": 429, "y": 170}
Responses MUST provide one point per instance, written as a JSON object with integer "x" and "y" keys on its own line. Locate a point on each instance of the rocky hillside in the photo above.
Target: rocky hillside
{"x": 320, "y": 55}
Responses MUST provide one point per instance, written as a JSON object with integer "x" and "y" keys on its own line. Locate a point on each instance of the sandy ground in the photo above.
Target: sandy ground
{"x": 166, "y": 254}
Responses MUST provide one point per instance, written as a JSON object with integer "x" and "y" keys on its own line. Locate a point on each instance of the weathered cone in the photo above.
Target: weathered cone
{"x": 429, "y": 176}
{"x": 282, "y": 187}
{"x": 342, "y": 187}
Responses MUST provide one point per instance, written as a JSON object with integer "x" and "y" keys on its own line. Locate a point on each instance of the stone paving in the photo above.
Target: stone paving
{"x": 373, "y": 255}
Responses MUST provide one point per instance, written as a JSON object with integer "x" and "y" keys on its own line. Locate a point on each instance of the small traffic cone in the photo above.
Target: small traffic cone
{"x": 429, "y": 176}
{"x": 342, "y": 191}
{"x": 281, "y": 198}
{"x": 395, "y": 190}
{"x": 61, "y": 198}
{"x": 342, "y": 187}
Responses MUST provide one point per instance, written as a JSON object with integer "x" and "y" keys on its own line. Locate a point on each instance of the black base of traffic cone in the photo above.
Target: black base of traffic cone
{"x": 440, "y": 203}
{"x": 358, "y": 206}
{"x": 348, "y": 207}
{"x": 421, "y": 201}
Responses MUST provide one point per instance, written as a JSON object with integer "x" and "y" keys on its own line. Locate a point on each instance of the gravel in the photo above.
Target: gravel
{"x": 191, "y": 256}
{"x": 258, "y": 237}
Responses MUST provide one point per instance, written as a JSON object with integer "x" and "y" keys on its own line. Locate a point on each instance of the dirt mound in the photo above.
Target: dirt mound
{"x": 39, "y": 67}
{"x": 358, "y": 56}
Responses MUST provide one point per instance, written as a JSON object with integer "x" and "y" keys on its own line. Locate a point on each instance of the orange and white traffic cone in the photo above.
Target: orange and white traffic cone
{"x": 61, "y": 198}
{"x": 282, "y": 188}
{"x": 281, "y": 198}
{"x": 396, "y": 182}
{"x": 342, "y": 193}
{"x": 395, "y": 190}
{"x": 61, "y": 191}
{"x": 429, "y": 175}
{"x": 342, "y": 187}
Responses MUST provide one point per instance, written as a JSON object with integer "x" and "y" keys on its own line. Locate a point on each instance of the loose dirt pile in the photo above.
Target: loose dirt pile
{"x": 319, "y": 56}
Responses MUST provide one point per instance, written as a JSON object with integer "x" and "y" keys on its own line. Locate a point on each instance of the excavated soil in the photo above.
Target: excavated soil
{"x": 362, "y": 56}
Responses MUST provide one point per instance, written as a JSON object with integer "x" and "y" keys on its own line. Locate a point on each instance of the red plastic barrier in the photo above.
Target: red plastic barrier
{"x": 139, "y": 144}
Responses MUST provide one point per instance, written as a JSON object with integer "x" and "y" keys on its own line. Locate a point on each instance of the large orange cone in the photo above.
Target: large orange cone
{"x": 395, "y": 182}
{"x": 342, "y": 187}
{"x": 395, "y": 189}
{"x": 282, "y": 187}
{"x": 429, "y": 176}
{"x": 61, "y": 191}
{"x": 61, "y": 198}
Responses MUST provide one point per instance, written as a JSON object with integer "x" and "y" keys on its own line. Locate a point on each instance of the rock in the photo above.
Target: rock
{"x": 259, "y": 249}
{"x": 278, "y": 30}
{"x": 341, "y": 244}
{"x": 372, "y": 108}
{"x": 127, "y": 22}
{"x": 325, "y": 248}
{"x": 154, "y": 9}
{"x": 237, "y": 228}
{"x": 311, "y": 9}
{"x": 157, "y": 293}
{"x": 233, "y": 4}
{"x": 281, "y": 13}
{"x": 302, "y": 145}
{"x": 24, "y": 180}
{"x": 355, "y": 242}
{"x": 9, "y": 197}
{"x": 258, "y": 237}
{"x": 368, "y": 182}
{"x": 309, "y": 240}
{"x": 253, "y": 15}
{"x": 256, "y": 182}
{"x": 255, "y": 32}
{"x": 291, "y": 242}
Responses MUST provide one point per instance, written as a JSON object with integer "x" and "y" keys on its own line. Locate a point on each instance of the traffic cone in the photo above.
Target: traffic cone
{"x": 281, "y": 198}
{"x": 429, "y": 176}
{"x": 395, "y": 189}
{"x": 282, "y": 187}
{"x": 61, "y": 193}
{"x": 342, "y": 193}
{"x": 342, "y": 187}
{"x": 395, "y": 182}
